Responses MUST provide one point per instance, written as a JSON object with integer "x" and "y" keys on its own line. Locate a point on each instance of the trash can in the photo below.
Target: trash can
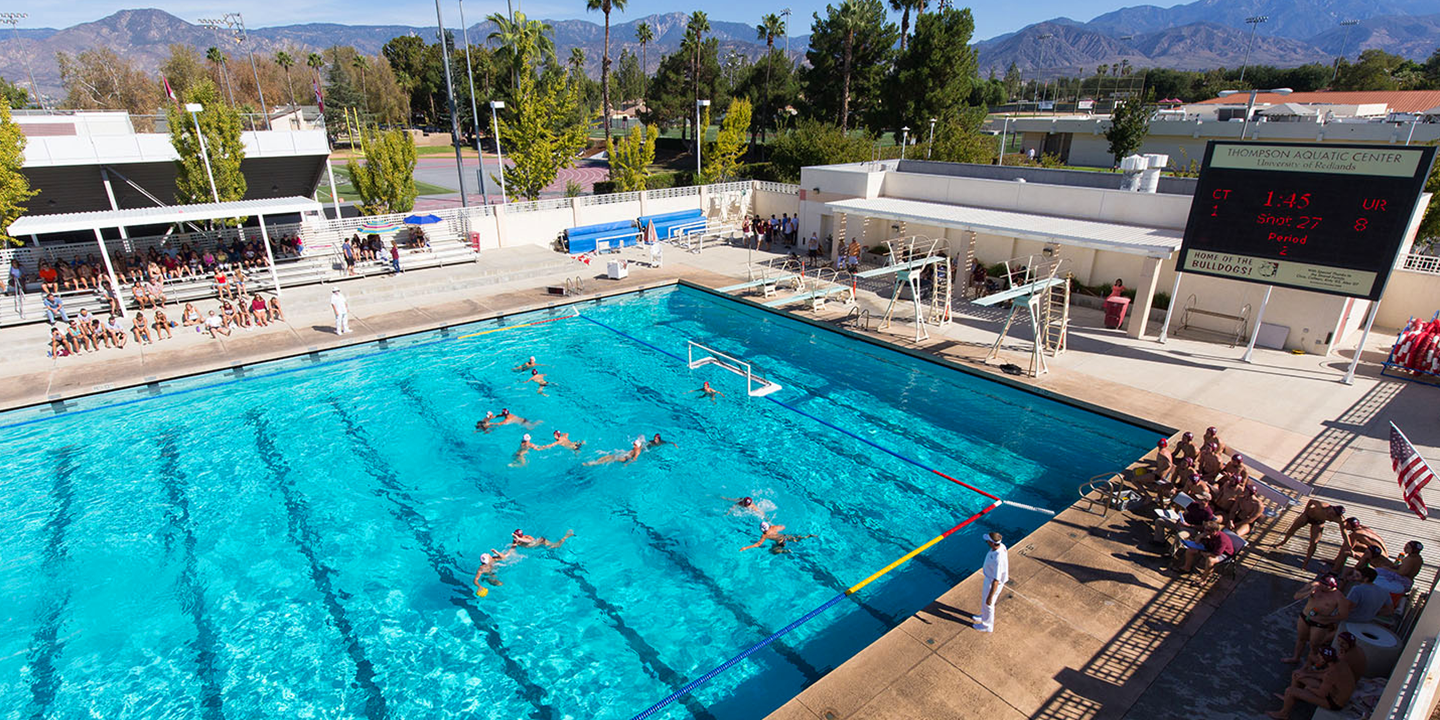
{"x": 617, "y": 270}
{"x": 1115, "y": 308}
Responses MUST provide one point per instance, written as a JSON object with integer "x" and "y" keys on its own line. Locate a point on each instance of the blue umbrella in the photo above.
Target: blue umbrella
{"x": 422, "y": 219}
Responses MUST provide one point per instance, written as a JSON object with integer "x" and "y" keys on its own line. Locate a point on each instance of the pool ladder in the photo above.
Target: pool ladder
{"x": 1113, "y": 493}
{"x": 860, "y": 316}
{"x": 574, "y": 287}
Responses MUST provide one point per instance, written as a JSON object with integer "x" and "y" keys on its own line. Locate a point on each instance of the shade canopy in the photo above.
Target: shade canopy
{"x": 159, "y": 215}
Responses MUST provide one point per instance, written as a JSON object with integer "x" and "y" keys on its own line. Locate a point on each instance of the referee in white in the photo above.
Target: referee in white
{"x": 997, "y": 573}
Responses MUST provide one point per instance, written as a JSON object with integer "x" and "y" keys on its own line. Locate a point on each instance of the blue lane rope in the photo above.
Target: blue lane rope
{"x": 707, "y": 677}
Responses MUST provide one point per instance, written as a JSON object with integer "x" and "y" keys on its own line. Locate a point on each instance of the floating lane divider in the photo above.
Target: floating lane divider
{"x": 807, "y": 617}
{"x": 516, "y": 327}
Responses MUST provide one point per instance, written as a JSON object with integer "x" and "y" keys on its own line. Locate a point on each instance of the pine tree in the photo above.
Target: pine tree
{"x": 14, "y": 186}
{"x": 220, "y": 124}
{"x": 386, "y": 182}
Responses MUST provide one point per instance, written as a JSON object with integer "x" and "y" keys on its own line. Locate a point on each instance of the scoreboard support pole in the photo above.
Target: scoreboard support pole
{"x": 1259, "y": 319}
{"x": 1349, "y": 378}
{"x": 1169, "y": 309}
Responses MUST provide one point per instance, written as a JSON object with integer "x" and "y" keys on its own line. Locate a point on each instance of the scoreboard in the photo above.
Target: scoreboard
{"x": 1326, "y": 217}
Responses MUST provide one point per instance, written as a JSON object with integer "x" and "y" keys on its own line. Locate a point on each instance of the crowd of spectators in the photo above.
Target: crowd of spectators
{"x": 1206, "y": 506}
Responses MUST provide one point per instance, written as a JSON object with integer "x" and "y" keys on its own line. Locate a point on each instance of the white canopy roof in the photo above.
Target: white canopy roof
{"x": 159, "y": 215}
{"x": 1133, "y": 239}
{"x": 1284, "y": 109}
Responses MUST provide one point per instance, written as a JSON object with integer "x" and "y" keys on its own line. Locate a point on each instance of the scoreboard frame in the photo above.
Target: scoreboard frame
{"x": 1324, "y": 217}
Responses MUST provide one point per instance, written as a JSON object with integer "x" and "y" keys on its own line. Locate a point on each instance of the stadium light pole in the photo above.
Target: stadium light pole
{"x": 450, "y": 97}
{"x": 786, "y": 14}
{"x": 13, "y": 20}
{"x": 236, "y": 22}
{"x": 1344, "y": 43}
{"x": 1254, "y": 23}
{"x": 495, "y": 107}
{"x": 474, "y": 108}
{"x": 1250, "y": 106}
{"x": 194, "y": 110}
{"x": 699, "y": 138}
{"x": 225, "y": 79}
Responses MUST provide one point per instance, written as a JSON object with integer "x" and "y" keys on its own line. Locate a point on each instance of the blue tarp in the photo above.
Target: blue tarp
{"x": 664, "y": 218}
{"x": 588, "y": 238}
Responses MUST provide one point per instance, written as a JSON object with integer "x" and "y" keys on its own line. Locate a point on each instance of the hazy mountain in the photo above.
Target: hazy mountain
{"x": 1199, "y": 46}
{"x": 1413, "y": 36}
{"x": 1296, "y": 19}
{"x": 1056, "y": 48}
{"x": 145, "y": 36}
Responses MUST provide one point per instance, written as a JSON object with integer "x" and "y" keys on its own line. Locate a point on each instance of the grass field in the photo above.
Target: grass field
{"x": 347, "y": 188}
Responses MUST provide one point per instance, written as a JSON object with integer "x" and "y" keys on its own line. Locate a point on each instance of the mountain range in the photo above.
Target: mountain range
{"x": 1197, "y": 35}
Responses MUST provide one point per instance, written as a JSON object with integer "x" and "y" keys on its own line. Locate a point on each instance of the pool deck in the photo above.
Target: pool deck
{"x": 1089, "y": 626}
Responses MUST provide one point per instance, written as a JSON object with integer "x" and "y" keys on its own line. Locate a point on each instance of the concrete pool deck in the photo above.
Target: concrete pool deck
{"x": 1090, "y": 627}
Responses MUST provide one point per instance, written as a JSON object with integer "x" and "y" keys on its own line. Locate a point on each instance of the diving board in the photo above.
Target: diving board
{"x": 758, "y": 283}
{"x": 899, "y": 267}
{"x": 1034, "y": 288}
{"x": 811, "y": 295}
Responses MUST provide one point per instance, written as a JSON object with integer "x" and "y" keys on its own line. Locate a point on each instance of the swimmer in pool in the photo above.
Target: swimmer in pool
{"x": 778, "y": 540}
{"x": 528, "y": 364}
{"x": 628, "y": 456}
{"x": 746, "y": 504}
{"x": 525, "y": 447}
{"x": 708, "y": 391}
{"x": 487, "y": 567}
{"x": 563, "y": 440}
{"x": 656, "y": 442}
{"x": 539, "y": 379}
{"x": 520, "y": 539}
{"x": 492, "y": 421}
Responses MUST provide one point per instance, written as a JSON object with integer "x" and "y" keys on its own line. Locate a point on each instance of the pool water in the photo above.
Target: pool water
{"x": 298, "y": 539}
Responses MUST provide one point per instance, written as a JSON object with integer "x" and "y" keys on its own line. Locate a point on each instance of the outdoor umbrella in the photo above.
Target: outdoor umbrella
{"x": 422, "y": 219}
{"x": 372, "y": 226}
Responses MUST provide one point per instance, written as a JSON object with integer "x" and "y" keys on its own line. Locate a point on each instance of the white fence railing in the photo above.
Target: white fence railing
{"x": 776, "y": 187}
{"x": 1423, "y": 263}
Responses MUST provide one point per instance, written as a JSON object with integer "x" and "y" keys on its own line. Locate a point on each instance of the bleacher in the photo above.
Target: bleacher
{"x": 322, "y": 261}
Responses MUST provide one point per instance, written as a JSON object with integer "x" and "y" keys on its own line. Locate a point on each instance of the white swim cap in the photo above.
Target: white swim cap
{"x": 527, "y": 437}
{"x": 764, "y": 526}
{"x": 488, "y": 413}
{"x": 484, "y": 558}
{"x": 640, "y": 440}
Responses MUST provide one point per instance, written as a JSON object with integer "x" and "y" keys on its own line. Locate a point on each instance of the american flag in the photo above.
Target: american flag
{"x": 1413, "y": 471}
{"x": 319, "y": 98}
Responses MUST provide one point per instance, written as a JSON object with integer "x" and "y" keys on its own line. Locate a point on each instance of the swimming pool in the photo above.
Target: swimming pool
{"x": 297, "y": 539}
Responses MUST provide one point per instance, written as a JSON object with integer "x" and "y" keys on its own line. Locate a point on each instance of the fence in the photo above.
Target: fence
{"x": 1422, "y": 263}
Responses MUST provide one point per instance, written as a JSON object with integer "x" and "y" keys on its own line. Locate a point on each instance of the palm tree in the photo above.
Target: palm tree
{"x": 644, "y": 35}
{"x": 605, "y": 6}
{"x": 315, "y": 61}
{"x": 287, "y": 61}
{"x": 577, "y": 59}
{"x": 214, "y": 55}
{"x": 905, "y": 6}
{"x": 771, "y": 26}
{"x": 849, "y": 19}
{"x": 361, "y": 64}
{"x": 695, "y": 30}
{"x": 510, "y": 31}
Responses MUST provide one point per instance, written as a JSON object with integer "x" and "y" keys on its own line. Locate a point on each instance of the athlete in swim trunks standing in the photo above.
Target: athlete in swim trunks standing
{"x": 1325, "y": 609}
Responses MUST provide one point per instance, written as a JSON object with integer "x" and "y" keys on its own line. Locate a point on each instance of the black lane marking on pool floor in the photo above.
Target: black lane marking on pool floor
{"x": 303, "y": 536}
{"x": 718, "y": 595}
{"x": 824, "y": 577}
{"x": 403, "y": 508}
{"x": 192, "y": 593}
{"x": 45, "y": 645}
{"x": 648, "y": 655}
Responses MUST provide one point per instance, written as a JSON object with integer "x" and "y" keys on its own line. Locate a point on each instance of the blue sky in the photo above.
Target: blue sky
{"x": 991, "y": 18}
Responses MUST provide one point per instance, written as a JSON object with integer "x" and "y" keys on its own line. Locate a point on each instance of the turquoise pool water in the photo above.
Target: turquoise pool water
{"x": 298, "y": 539}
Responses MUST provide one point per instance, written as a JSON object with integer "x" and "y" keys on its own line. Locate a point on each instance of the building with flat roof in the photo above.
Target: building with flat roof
{"x": 992, "y": 214}
{"x": 83, "y": 161}
{"x": 1385, "y": 118}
